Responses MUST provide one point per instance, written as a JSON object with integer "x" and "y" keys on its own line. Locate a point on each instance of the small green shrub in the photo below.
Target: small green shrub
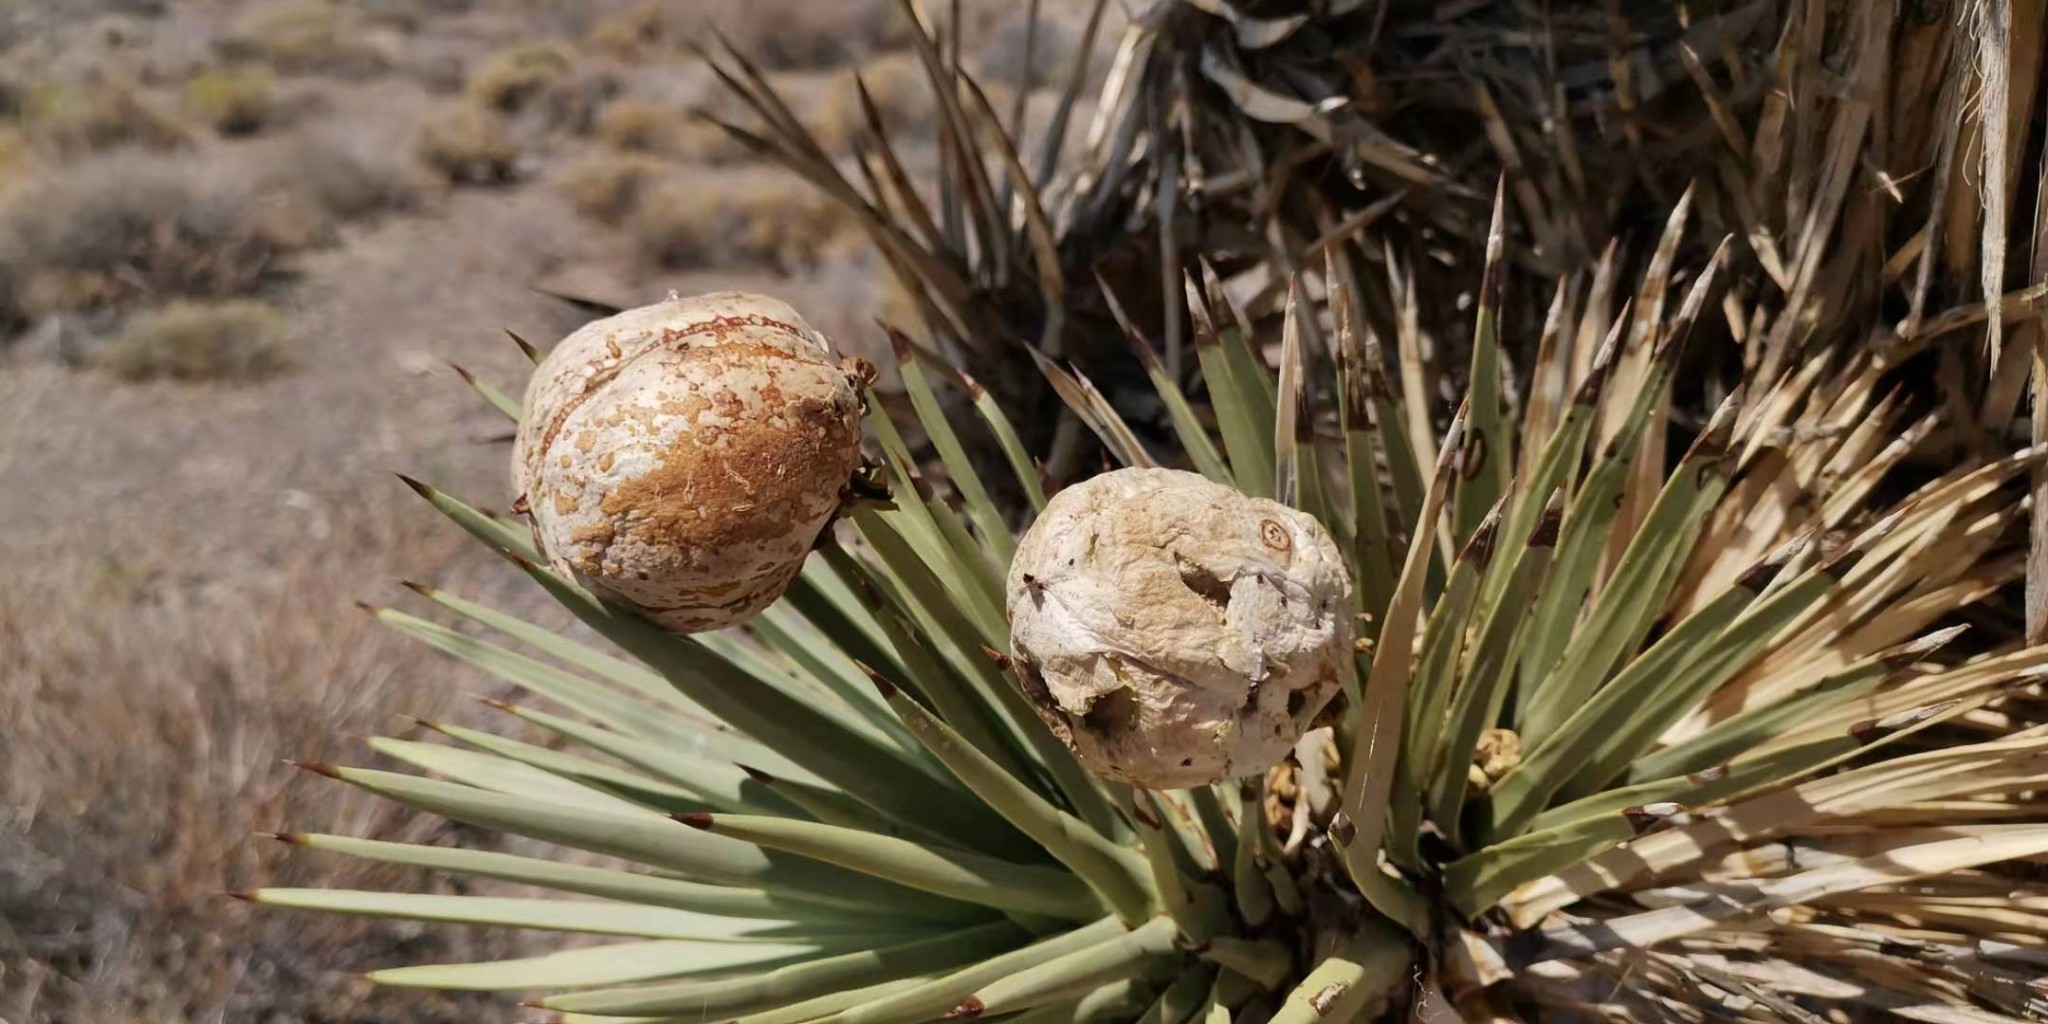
{"x": 235, "y": 101}
{"x": 236, "y": 341}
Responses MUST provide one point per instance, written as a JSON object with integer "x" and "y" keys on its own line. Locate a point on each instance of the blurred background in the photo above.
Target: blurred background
{"x": 242, "y": 247}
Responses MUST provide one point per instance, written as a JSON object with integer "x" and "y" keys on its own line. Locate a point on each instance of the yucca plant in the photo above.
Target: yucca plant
{"x": 1655, "y": 715}
{"x": 1632, "y": 737}
{"x": 1842, "y": 144}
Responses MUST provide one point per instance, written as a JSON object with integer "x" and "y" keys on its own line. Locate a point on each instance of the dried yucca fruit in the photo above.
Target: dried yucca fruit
{"x": 682, "y": 457}
{"x": 1174, "y": 631}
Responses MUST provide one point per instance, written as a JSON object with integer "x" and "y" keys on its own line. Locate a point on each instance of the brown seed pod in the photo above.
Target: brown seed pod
{"x": 1174, "y": 631}
{"x": 683, "y": 457}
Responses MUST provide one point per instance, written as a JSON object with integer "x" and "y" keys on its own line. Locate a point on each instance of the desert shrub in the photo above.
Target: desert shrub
{"x": 235, "y": 341}
{"x": 306, "y": 36}
{"x": 18, "y": 159}
{"x": 235, "y": 101}
{"x": 514, "y": 78}
{"x": 350, "y": 176}
{"x": 701, "y": 142}
{"x": 644, "y": 126}
{"x": 542, "y": 82}
{"x": 572, "y": 104}
{"x": 780, "y": 34}
{"x": 409, "y": 15}
{"x": 467, "y": 144}
{"x": 901, "y": 93}
{"x": 303, "y": 187}
{"x": 637, "y": 126}
{"x": 606, "y": 187}
{"x": 14, "y": 96}
{"x": 1001, "y": 56}
{"x": 118, "y": 227}
{"x": 801, "y": 33}
{"x": 761, "y": 221}
{"x": 629, "y": 34}
{"x": 106, "y": 230}
{"x": 100, "y": 113}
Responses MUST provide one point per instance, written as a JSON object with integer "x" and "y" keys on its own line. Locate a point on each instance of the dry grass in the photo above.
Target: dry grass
{"x": 636, "y": 126}
{"x": 751, "y": 221}
{"x": 705, "y": 144}
{"x": 1003, "y": 56}
{"x": 513, "y": 79}
{"x": 237, "y": 341}
{"x": 346, "y": 175}
{"x": 307, "y": 37}
{"x": 542, "y": 84}
{"x": 19, "y": 160}
{"x": 107, "y": 230}
{"x": 606, "y": 187}
{"x": 234, "y": 101}
{"x": 100, "y": 113}
{"x": 630, "y": 35}
{"x": 781, "y": 34}
{"x": 643, "y": 126}
{"x": 807, "y": 34}
{"x": 146, "y": 715}
{"x": 411, "y": 15}
{"x": 126, "y": 226}
{"x": 901, "y": 93}
{"x": 467, "y": 144}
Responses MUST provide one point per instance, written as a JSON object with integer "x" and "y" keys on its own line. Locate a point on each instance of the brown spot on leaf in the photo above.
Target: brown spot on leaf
{"x": 1326, "y": 1000}
{"x": 1472, "y": 456}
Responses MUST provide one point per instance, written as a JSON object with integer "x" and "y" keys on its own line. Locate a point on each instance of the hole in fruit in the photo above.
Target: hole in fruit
{"x": 1031, "y": 682}
{"x": 1295, "y": 702}
{"x": 1207, "y": 585}
{"x": 1113, "y": 712}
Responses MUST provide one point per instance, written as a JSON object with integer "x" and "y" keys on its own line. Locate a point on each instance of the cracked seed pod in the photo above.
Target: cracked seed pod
{"x": 1174, "y": 631}
{"x": 683, "y": 457}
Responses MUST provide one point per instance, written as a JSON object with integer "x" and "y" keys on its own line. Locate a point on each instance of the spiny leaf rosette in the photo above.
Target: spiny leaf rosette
{"x": 1619, "y": 736}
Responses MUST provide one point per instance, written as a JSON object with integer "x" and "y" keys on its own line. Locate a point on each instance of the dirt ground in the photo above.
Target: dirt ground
{"x": 241, "y": 244}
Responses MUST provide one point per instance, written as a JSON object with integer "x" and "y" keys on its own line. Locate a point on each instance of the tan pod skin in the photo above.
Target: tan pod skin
{"x": 1174, "y": 631}
{"x": 682, "y": 457}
